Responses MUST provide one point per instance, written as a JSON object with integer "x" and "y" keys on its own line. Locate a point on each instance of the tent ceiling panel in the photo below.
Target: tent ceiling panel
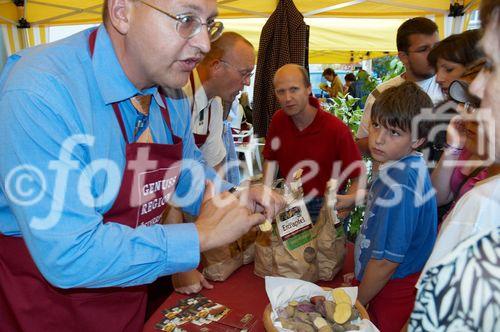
{"x": 333, "y": 39}
{"x": 88, "y": 11}
{"x": 63, "y": 11}
{"x": 342, "y": 8}
{"x": 8, "y": 12}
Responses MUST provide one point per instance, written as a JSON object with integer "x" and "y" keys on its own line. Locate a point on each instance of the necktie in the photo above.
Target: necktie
{"x": 141, "y": 104}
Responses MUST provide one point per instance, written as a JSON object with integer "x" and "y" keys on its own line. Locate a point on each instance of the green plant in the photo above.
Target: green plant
{"x": 387, "y": 67}
{"x": 344, "y": 107}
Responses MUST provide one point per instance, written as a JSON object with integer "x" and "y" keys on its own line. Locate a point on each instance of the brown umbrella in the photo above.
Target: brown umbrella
{"x": 283, "y": 40}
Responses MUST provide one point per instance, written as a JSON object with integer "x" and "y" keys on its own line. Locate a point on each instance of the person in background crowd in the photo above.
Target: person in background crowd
{"x": 212, "y": 82}
{"x": 451, "y": 57}
{"x": 104, "y": 154}
{"x": 246, "y": 107}
{"x": 218, "y": 79}
{"x": 335, "y": 83}
{"x": 463, "y": 142}
{"x": 458, "y": 288}
{"x": 302, "y": 135}
{"x": 415, "y": 39}
{"x": 361, "y": 87}
{"x": 349, "y": 86}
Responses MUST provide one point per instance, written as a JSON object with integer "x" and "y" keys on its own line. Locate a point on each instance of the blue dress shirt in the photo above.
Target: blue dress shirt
{"x": 62, "y": 156}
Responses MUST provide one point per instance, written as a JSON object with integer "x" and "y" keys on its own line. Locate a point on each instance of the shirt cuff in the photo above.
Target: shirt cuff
{"x": 390, "y": 256}
{"x": 183, "y": 248}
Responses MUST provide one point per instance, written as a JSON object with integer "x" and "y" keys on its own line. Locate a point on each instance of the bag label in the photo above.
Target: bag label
{"x": 292, "y": 222}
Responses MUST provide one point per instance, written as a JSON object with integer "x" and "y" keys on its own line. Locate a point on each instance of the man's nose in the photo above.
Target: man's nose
{"x": 201, "y": 40}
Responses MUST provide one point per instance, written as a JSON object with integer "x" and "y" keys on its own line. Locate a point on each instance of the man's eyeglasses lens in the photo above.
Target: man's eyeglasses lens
{"x": 244, "y": 75}
{"x": 189, "y": 25}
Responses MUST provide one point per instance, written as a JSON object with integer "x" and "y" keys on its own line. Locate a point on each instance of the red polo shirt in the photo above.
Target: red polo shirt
{"x": 325, "y": 141}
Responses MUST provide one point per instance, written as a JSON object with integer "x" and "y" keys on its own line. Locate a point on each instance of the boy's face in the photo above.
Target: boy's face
{"x": 389, "y": 144}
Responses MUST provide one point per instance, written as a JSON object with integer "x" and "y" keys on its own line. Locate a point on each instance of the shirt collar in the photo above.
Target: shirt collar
{"x": 413, "y": 154}
{"x": 200, "y": 98}
{"x": 112, "y": 82}
{"x": 315, "y": 126}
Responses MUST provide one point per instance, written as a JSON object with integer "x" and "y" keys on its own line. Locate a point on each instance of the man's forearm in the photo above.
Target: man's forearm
{"x": 270, "y": 172}
{"x": 377, "y": 274}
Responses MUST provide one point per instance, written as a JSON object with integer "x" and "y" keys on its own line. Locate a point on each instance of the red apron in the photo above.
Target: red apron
{"x": 29, "y": 303}
{"x": 200, "y": 139}
{"x": 392, "y": 306}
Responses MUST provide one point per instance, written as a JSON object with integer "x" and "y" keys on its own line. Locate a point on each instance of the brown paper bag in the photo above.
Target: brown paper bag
{"x": 331, "y": 244}
{"x": 320, "y": 255}
{"x": 220, "y": 263}
{"x": 247, "y": 245}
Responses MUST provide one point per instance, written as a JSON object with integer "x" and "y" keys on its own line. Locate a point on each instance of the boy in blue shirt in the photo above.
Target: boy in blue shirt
{"x": 400, "y": 226}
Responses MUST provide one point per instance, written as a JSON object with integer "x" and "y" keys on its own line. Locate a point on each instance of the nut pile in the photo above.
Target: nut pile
{"x": 319, "y": 314}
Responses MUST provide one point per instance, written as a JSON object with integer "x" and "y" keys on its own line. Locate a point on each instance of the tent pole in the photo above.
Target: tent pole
{"x": 332, "y": 8}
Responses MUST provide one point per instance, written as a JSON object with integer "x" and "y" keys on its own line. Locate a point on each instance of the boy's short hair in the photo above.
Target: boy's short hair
{"x": 413, "y": 26}
{"x": 397, "y": 106}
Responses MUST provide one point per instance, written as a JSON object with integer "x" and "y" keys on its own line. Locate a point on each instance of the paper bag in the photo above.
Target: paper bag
{"x": 316, "y": 251}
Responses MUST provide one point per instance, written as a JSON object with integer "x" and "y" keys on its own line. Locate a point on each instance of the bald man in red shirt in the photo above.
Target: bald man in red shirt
{"x": 302, "y": 135}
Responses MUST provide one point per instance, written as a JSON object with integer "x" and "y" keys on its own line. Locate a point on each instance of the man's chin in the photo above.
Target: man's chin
{"x": 176, "y": 81}
{"x": 426, "y": 76}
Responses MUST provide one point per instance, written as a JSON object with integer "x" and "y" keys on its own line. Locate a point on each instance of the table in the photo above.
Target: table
{"x": 245, "y": 292}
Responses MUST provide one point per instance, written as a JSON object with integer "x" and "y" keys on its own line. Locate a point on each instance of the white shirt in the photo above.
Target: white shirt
{"x": 236, "y": 114}
{"x": 429, "y": 86}
{"x": 477, "y": 211}
{"x": 213, "y": 149}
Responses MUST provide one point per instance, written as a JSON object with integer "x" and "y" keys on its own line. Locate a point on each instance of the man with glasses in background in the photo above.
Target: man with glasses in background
{"x": 415, "y": 38}
{"x": 102, "y": 153}
{"x": 214, "y": 81}
{"x": 218, "y": 79}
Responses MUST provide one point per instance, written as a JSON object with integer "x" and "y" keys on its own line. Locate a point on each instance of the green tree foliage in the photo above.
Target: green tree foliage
{"x": 387, "y": 67}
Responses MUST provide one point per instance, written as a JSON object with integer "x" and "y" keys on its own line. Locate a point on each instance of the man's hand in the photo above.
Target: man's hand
{"x": 455, "y": 133}
{"x": 349, "y": 201}
{"x": 260, "y": 198}
{"x": 190, "y": 282}
{"x": 223, "y": 219}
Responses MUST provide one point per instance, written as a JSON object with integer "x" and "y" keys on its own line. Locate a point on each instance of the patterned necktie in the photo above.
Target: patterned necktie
{"x": 141, "y": 104}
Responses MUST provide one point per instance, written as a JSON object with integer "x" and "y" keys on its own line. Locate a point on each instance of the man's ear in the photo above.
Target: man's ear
{"x": 403, "y": 56}
{"x": 119, "y": 12}
{"x": 418, "y": 143}
{"x": 215, "y": 64}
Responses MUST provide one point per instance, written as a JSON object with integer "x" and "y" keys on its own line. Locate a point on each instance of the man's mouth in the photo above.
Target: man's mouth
{"x": 190, "y": 63}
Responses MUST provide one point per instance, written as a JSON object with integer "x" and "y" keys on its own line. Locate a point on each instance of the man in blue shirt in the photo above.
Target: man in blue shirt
{"x": 71, "y": 150}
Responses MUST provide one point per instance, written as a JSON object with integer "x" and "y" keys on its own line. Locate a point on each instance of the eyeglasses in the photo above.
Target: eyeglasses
{"x": 421, "y": 50}
{"x": 189, "y": 25}
{"x": 245, "y": 74}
